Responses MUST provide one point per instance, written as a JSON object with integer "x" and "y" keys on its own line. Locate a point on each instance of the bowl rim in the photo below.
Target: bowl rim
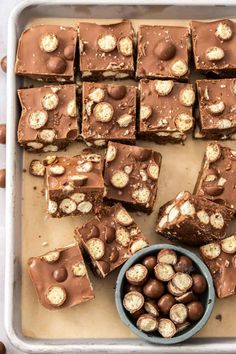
{"x": 210, "y": 295}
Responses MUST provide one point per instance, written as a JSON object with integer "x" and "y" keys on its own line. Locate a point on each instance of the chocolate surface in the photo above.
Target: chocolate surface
{"x": 207, "y": 35}
{"x": 74, "y": 185}
{"x": 58, "y": 104}
{"x": 162, "y": 124}
{"x": 40, "y": 53}
{"x": 159, "y": 48}
{"x": 131, "y": 175}
{"x": 193, "y": 220}
{"x": 222, "y": 266}
{"x": 2, "y": 133}
{"x": 217, "y": 107}
{"x": 121, "y": 126}
{"x": 126, "y": 240}
{"x": 78, "y": 288}
{"x": 107, "y": 61}
{"x": 217, "y": 179}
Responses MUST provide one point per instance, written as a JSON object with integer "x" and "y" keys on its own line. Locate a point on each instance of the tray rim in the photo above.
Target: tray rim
{"x": 88, "y": 346}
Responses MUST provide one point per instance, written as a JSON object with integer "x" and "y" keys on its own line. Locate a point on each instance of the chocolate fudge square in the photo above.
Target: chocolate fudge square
{"x": 216, "y": 100}
{"x": 217, "y": 177}
{"x": 220, "y": 257}
{"x": 47, "y": 53}
{"x": 131, "y": 176}
{"x": 110, "y": 239}
{"x": 60, "y": 278}
{"x": 49, "y": 117}
{"x": 106, "y": 51}
{"x": 166, "y": 109}
{"x": 213, "y": 46}
{"x": 109, "y": 113}
{"x": 193, "y": 220}
{"x": 74, "y": 185}
{"x": 163, "y": 52}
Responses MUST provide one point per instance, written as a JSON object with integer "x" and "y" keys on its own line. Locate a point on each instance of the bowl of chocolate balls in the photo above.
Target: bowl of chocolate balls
{"x": 164, "y": 294}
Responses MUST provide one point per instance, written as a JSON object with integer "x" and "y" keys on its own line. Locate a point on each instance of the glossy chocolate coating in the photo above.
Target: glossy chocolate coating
{"x": 195, "y": 310}
{"x": 165, "y": 303}
{"x": 2, "y": 178}
{"x": 45, "y": 274}
{"x": 156, "y": 46}
{"x": 2, "y": 133}
{"x": 4, "y": 64}
{"x": 52, "y": 66}
{"x": 150, "y": 262}
{"x": 131, "y": 157}
{"x": 2, "y": 348}
{"x": 65, "y": 128}
{"x": 129, "y": 287}
{"x": 199, "y": 284}
{"x": 184, "y": 264}
{"x": 123, "y": 101}
{"x": 160, "y": 126}
{"x": 115, "y": 253}
{"x": 95, "y": 61}
{"x": 153, "y": 289}
{"x": 202, "y": 42}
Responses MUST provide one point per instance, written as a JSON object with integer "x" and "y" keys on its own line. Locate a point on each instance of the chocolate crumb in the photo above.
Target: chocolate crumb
{"x": 218, "y": 317}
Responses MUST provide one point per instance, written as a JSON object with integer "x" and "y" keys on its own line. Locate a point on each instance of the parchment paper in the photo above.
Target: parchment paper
{"x": 99, "y": 318}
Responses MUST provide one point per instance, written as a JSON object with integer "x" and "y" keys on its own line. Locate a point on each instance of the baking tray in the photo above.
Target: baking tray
{"x": 155, "y": 10}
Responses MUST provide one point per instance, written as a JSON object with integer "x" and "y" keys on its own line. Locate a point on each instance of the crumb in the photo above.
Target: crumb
{"x": 34, "y": 187}
{"x": 44, "y": 244}
{"x": 218, "y": 317}
{"x": 24, "y": 170}
{"x": 39, "y": 236}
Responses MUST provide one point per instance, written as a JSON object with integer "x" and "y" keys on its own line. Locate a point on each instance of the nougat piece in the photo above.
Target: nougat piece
{"x": 47, "y": 53}
{"x": 216, "y": 179}
{"x": 213, "y": 46}
{"x": 193, "y": 220}
{"x": 216, "y": 104}
{"x": 106, "y": 51}
{"x": 109, "y": 113}
{"x": 60, "y": 278}
{"x": 49, "y": 119}
{"x": 220, "y": 257}
{"x": 166, "y": 110}
{"x": 74, "y": 185}
{"x": 163, "y": 52}
{"x": 131, "y": 176}
{"x": 110, "y": 239}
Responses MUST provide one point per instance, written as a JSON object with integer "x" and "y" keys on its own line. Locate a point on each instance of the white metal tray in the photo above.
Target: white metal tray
{"x": 31, "y": 9}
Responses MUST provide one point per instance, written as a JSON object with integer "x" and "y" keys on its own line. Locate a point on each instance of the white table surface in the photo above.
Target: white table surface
{"x": 6, "y": 7}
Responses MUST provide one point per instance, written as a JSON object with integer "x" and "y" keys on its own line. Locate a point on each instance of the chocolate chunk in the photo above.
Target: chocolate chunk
{"x": 110, "y": 234}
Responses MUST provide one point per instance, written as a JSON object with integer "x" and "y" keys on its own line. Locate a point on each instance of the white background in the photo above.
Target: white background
{"x": 6, "y": 7}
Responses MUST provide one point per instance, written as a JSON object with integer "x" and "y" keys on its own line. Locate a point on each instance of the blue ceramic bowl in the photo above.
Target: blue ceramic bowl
{"x": 207, "y": 299}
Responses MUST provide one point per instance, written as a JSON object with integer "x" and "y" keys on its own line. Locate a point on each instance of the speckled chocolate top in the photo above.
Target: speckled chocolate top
{"x": 106, "y": 47}
{"x": 55, "y": 106}
{"x": 47, "y": 51}
{"x": 61, "y": 275}
{"x": 81, "y": 173}
{"x": 217, "y": 179}
{"x": 109, "y": 112}
{"x": 131, "y": 175}
{"x": 166, "y": 106}
{"x": 163, "y": 52}
{"x": 115, "y": 234}
{"x": 213, "y": 45}
{"x": 220, "y": 257}
{"x": 217, "y": 105}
